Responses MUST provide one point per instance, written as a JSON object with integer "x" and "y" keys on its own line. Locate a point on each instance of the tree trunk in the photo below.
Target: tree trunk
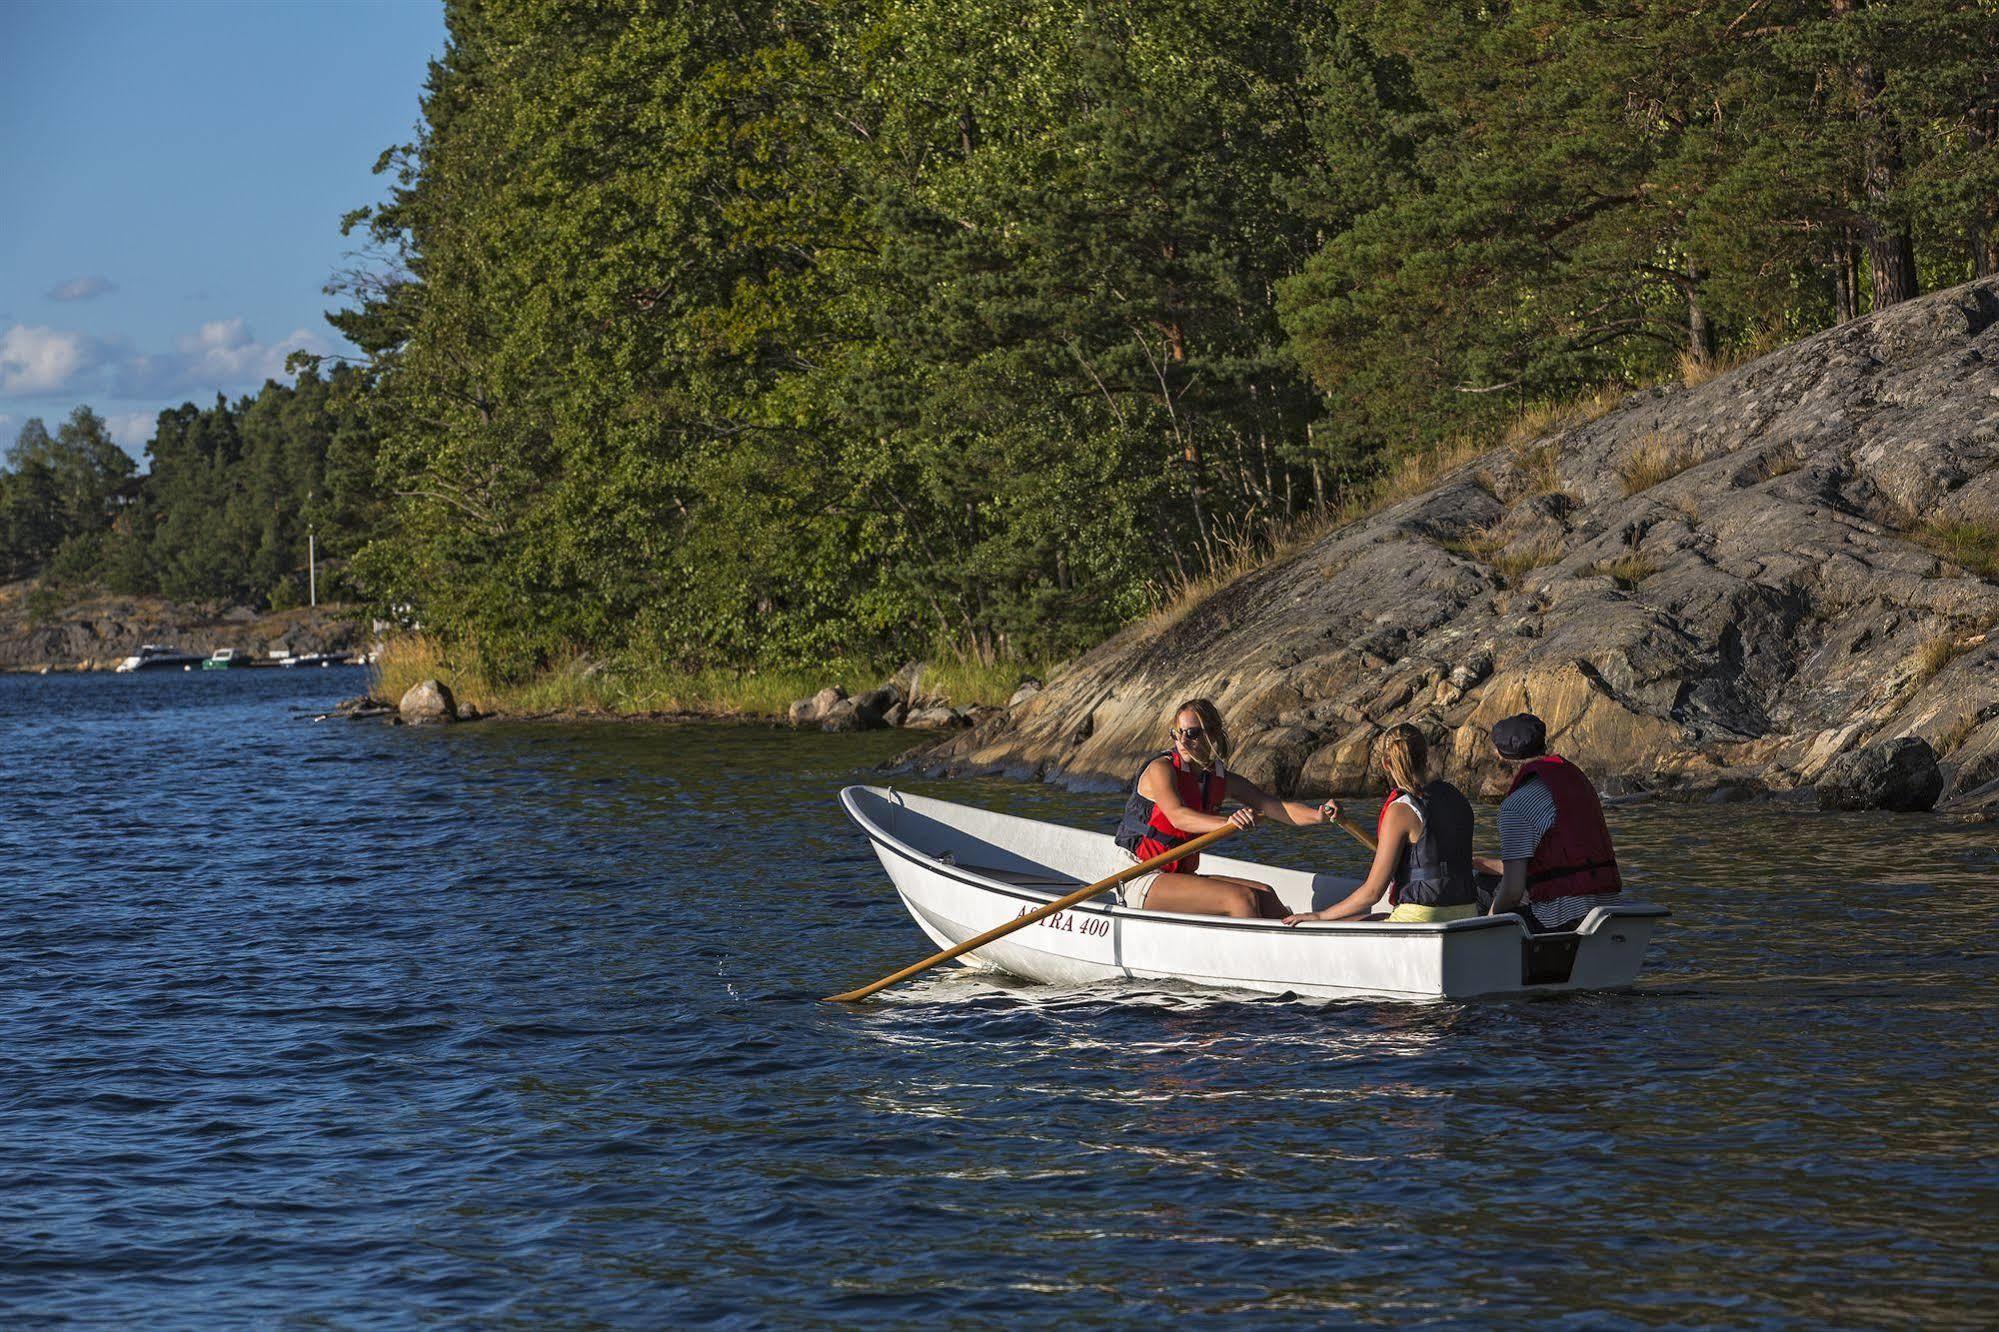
{"x": 1846, "y": 279}
{"x": 1984, "y": 130}
{"x": 1891, "y": 259}
{"x": 1700, "y": 333}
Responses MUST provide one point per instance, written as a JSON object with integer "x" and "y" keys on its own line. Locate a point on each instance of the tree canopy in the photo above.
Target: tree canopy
{"x": 783, "y": 332}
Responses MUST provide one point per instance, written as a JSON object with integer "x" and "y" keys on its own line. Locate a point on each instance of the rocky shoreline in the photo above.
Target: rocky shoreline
{"x": 98, "y": 632}
{"x": 1759, "y": 586}
{"x": 902, "y": 702}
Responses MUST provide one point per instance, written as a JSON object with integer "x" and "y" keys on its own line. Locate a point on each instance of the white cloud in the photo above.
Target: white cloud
{"x": 43, "y": 360}
{"x": 221, "y": 356}
{"x": 82, "y": 288}
{"x": 132, "y": 430}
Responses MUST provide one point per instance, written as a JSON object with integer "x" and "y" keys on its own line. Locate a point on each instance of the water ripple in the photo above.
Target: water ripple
{"x": 519, "y": 1026}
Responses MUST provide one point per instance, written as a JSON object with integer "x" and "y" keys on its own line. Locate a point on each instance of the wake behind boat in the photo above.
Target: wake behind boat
{"x": 961, "y": 871}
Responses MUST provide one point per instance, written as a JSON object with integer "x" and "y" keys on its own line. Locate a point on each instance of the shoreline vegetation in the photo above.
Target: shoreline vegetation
{"x": 585, "y": 689}
{"x": 982, "y": 336}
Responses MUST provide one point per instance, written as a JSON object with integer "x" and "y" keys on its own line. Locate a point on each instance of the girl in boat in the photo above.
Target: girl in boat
{"x": 1175, "y": 798}
{"x": 1422, "y": 854}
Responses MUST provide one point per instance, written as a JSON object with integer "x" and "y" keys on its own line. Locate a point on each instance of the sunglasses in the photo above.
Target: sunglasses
{"x": 1191, "y": 732}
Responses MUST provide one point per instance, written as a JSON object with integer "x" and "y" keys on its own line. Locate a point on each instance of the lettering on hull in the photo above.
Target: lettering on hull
{"x": 1089, "y": 924}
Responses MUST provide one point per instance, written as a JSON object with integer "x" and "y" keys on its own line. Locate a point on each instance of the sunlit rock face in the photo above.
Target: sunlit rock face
{"x": 1710, "y": 589}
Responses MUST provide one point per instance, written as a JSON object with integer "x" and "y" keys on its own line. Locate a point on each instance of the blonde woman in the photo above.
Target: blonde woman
{"x": 1176, "y": 797}
{"x": 1422, "y": 854}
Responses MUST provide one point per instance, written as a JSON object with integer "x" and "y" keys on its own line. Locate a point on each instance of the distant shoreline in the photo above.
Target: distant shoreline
{"x": 97, "y": 631}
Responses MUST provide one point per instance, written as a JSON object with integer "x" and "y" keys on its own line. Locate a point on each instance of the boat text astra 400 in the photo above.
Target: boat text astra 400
{"x": 961, "y": 871}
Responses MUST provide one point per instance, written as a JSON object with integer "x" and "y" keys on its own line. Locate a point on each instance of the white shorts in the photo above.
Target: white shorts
{"x": 1133, "y": 892}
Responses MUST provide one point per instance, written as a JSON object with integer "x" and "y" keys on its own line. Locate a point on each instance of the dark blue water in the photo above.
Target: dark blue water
{"x": 514, "y": 1025}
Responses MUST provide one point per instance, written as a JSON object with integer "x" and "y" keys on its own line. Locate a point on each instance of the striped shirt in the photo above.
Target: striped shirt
{"x": 1524, "y": 819}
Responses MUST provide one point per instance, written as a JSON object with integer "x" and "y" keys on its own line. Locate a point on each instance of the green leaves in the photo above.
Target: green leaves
{"x": 810, "y": 334}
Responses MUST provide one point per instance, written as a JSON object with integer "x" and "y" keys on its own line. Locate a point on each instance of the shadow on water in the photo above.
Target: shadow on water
{"x": 519, "y": 1025}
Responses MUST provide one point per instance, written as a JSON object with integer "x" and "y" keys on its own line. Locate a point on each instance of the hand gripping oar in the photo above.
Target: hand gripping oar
{"x": 1020, "y": 922}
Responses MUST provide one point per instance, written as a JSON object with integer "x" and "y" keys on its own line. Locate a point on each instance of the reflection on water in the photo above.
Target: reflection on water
{"x": 520, "y": 1025}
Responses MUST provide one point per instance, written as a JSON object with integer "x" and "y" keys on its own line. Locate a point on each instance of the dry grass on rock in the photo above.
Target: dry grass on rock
{"x": 1627, "y": 571}
{"x": 1653, "y": 460}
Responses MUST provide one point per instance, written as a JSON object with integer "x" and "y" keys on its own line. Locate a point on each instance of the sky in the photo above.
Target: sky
{"x": 172, "y": 178}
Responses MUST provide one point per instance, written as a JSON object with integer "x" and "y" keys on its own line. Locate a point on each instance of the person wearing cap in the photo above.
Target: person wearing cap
{"x": 1556, "y": 863}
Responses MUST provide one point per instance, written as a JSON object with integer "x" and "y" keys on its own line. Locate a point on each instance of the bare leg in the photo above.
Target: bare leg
{"x": 1204, "y": 895}
{"x": 1268, "y": 904}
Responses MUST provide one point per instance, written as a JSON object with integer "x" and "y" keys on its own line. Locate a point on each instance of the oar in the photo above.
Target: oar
{"x": 1020, "y": 922}
{"x": 1358, "y": 835}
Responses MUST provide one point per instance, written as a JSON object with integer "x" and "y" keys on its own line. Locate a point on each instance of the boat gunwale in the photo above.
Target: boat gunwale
{"x": 1330, "y": 928}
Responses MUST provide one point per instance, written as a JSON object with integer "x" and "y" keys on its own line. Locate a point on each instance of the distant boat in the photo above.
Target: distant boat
{"x": 227, "y": 659}
{"x": 153, "y": 657}
{"x": 320, "y": 659}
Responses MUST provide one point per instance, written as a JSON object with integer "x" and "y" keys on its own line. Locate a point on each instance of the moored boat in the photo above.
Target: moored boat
{"x": 227, "y": 659}
{"x": 153, "y": 657}
{"x": 961, "y": 871}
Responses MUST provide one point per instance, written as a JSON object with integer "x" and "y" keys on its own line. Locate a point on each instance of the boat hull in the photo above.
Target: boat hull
{"x": 984, "y": 880}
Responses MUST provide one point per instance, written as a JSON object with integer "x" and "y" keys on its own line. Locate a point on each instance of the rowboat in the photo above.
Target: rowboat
{"x": 961, "y": 871}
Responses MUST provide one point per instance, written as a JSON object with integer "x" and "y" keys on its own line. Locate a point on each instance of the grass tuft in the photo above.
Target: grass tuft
{"x": 1627, "y": 571}
{"x": 1539, "y": 419}
{"x": 1655, "y": 459}
{"x": 1935, "y": 653}
{"x": 1540, "y": 470}
{"x": 1515, "y": 562}
{"x": 1973, "y": 545}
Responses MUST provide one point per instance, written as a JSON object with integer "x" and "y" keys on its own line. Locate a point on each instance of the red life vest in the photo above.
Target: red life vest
{"x": 1575, "y": 857}
{"x": 1395, "y": 793}
{"x": 1197, "y": 791}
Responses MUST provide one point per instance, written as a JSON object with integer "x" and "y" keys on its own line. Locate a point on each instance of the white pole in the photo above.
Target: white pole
{"x": 312, "y": 568}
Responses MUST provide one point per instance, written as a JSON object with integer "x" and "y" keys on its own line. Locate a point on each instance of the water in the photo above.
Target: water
{"x": 515, "y": 1025}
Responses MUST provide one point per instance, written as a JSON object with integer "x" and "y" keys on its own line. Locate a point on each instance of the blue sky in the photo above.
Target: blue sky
{"x": 174, "y": 174}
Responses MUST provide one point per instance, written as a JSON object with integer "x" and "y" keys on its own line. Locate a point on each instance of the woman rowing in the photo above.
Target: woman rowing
{"x": 1175, "y": 798}
{"x": 1422, "y": 853}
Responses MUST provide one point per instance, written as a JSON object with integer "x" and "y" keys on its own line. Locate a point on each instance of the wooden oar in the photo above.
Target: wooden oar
{"x": 1021, "y": 922}
{"x": 1358, "y": 835}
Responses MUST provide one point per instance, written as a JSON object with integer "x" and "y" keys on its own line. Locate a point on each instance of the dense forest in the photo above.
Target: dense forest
{"x": 221, "y": 514}
{"x": 785, "y": 332}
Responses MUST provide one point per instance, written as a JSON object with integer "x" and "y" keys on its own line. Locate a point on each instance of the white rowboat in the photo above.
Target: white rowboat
{"x": 961, "y": 871}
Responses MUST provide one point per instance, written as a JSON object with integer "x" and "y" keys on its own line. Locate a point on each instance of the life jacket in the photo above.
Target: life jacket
{"x": 1145, "y": 831}
{"x": 1575, "y": 857}
{"x": 1435, "y": 870}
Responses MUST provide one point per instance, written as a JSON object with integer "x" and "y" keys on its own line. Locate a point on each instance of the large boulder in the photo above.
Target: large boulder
{"x": 1028, "y": 689}
{"x": 1897, "y": 774}
{"x": 876, "y": 705}
{"x": 428, "y": 703}
{"x": 936, "y": 717}
{"x": 812, "y": 711}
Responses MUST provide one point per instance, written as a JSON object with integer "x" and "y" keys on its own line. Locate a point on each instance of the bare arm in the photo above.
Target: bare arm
{"x": 1244, "y": 791}
{"x": 1157, "y": 785}
{"x": 1512, "y": 888}
{"x": 1397, "y": 831}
